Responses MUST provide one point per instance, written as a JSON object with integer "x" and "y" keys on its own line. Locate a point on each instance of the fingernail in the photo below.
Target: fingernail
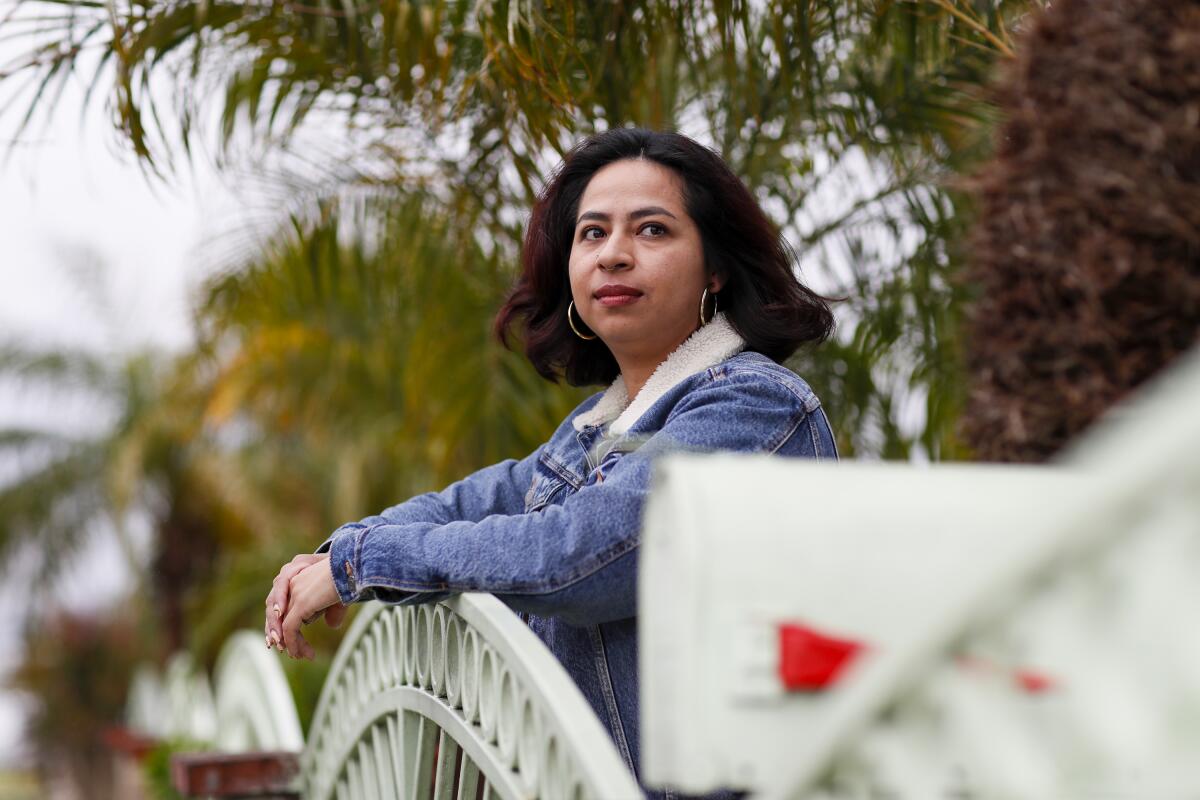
{"x": 276, "y": 609}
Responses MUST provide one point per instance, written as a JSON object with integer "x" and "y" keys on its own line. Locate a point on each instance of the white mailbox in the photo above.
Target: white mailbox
{"x": 854, "y": 630}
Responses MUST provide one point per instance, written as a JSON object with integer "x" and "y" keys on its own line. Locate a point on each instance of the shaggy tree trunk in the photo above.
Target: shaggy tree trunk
{"x": 186, "y": 554}
{"x": 1086, "y": 252}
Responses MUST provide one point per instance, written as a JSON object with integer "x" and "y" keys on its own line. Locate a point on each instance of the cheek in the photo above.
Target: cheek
{"x": 690, "y": 277}
{"x": 574, "y": 272}
{"x": 573, "y": 255}
{"x": 698, "y": 260}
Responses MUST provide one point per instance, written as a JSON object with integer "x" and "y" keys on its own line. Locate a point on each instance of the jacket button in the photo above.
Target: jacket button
{"x": 349, "y": 571}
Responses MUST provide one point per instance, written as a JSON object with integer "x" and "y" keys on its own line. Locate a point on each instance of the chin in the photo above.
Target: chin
{"x": 641, "y": 338}
{"x": 622, "y": 329}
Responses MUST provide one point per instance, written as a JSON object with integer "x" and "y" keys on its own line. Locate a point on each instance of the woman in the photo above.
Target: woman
{"x": 647, "y": 265}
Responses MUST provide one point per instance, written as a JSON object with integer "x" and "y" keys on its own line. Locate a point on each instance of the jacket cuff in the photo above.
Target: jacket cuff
{"x": 344, "y": 566}
{"x": 343, "y": 529}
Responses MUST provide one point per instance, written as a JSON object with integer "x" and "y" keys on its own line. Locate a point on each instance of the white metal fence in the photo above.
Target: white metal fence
{"x": 254, "y": 707}
{"x": 449, "y": 700}
{"x": 178, "y": 704}
{"x": 452, "y": 696}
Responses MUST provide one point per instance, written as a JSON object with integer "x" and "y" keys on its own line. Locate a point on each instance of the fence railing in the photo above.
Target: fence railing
{"x": 254, "y": 706}
{"x": 455, "y": 695}
{"x": 178, "y": 704}
{"x": 451, "y": 700}
{"x": 1006, "y": 632}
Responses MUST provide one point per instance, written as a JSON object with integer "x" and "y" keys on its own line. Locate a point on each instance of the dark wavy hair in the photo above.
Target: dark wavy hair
{"x": 762, "y": 297}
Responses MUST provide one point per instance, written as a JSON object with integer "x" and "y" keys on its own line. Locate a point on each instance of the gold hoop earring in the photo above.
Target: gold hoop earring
{"x": 704, "y": 297}
{"x": 571, "y": 322}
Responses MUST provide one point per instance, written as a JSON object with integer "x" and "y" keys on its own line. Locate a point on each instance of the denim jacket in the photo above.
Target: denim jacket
{"x": 555, "y": 535}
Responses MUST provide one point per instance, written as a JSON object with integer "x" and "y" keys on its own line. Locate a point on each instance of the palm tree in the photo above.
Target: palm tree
{"x": 845, "y": 117}
{"x": 357, "y": 375}
{"x": 78, "y": 667}
{"x": 344, "y": 357}
{"x": 153, "y": 458}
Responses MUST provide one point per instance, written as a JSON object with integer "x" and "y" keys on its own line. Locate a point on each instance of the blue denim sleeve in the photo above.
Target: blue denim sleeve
{"x": 576, "y": 560}
{"x": 498, "y": 489}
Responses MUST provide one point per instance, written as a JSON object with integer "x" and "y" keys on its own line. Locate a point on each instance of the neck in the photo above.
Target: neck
{"x": 636, "y": 369}
{"x": 710, "y": 345}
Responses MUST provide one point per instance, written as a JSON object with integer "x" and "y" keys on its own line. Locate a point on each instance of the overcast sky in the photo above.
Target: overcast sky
{"x": 73, "y": 211}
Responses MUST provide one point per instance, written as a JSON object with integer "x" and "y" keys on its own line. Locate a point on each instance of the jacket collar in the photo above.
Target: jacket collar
{"x": 707, "y": 347}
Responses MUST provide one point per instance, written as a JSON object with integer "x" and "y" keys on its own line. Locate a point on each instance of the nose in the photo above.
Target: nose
{"x": 616, "y": 253}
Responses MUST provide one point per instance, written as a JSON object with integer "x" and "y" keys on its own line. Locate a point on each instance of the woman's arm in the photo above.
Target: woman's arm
{"x": 575, "y": 560}
{"x": 497, "y": 489}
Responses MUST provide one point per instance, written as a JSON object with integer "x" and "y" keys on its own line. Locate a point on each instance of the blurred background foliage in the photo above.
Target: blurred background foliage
{"x": 344, "y": 359}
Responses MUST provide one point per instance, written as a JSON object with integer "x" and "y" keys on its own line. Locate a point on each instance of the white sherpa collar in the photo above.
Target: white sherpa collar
{"x": 707, "y": 347}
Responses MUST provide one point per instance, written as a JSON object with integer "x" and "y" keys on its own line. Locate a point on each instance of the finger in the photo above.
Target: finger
{"x": 280, "y": 596}
{"x": 277, "y": 605}
{"x": 298, "y": 564}
{"x": 267, "y": 634}
{"x": 273, "y": 595}
{"x": 271, "y": 634}
{"x": 335, "y": 614}
{"x": 278, "y": 599}
{"x": 285, "y": 572}
{"x": 300, "y": 648}
{"x": 278, "y": 584}
{"x": 293, "y": 640}
{"x": 301, "y": 608}
{"x": 311, "y": 592}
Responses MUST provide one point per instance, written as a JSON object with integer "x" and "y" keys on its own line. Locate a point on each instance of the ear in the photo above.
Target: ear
{"x": 716, "y": 282}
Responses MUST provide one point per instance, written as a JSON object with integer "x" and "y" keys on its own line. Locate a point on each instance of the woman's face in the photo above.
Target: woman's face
{"x": 637, "y": 261}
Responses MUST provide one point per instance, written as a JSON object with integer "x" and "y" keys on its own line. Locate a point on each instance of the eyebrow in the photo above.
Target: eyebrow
{"x": 639, "y": 213}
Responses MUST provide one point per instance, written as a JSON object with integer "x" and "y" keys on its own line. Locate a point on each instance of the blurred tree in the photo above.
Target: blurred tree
{"x": 355, "y": 375}
{"x": 151, "y": 459}
{"x": 845, "y": 117}
{"x": 375, "y": 352}
{"x": 77, "y": 668}
{"x": 345, "y": 360}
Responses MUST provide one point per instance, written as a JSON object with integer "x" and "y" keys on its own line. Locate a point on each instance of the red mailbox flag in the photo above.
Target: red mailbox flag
{"x": 810, "y": 661}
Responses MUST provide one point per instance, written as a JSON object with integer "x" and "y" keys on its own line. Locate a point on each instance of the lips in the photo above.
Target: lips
{"x": 612, "y": 295}
{"x": 616, "y": 290}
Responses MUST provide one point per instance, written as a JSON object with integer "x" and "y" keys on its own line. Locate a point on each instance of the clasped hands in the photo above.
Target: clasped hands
{"x": 301, "y": 592}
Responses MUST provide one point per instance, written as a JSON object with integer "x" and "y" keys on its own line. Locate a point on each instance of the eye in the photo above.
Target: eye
{"x": 591, "y": 233}
{"x": 654, "y": 229}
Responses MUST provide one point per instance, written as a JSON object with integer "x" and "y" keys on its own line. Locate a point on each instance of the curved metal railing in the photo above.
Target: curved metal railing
{"x": 254, "y": 705}
{"x": 177, "y": 705}
{"x": 459, "y": 698}
{"x": 251, "y": 708}
{"x": 145, "y": 703}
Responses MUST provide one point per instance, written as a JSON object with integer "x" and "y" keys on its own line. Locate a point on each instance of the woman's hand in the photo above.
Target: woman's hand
{"x": 302, "y": 590}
